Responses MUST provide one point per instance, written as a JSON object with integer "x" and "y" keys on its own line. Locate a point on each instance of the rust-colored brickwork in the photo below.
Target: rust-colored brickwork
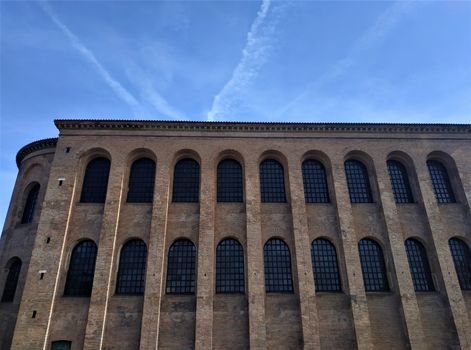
{"x": 399, "y": 318}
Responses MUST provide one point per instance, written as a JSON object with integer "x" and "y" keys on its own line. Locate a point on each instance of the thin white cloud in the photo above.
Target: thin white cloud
{"x": 383, "y": 25}
{"x": 118, "y": 89}
{"x": 150, "y": 95}
{"x": 260, "y": 40}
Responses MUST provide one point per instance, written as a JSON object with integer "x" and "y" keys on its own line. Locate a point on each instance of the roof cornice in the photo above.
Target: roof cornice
{"x": 166, "y": 125}
{"x": 33, "y": 147}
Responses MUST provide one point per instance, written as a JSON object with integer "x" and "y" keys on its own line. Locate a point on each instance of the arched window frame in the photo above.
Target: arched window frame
{"x": 61, "y": 345}
{"x": 11, "y": 283}
{"x": 325, "y": 266}
{"x": 418, "y": 265}
{"x": 81, "y": 271}
{"x": 277, "y": 266}
{"x": 400, "y": 184}
{"x": 358, "y": 181}
{"x": 316, "y": 187}
{"x": 230, "y": 184}
{"x": 461, "y": 255}
{"x": 186, "y": 189}
{"x": 131, "y": 277}
{"x": 181, "y": 279}
{"x": 373, "y": 266}
{"x": 272, "y": 181}
{"x": 30, "y": 203}
{"x": 230, "y": 267}
{"x": 141, "y": 181}
{"x": 95, "y": 180}
{"x": 441, "y": 183}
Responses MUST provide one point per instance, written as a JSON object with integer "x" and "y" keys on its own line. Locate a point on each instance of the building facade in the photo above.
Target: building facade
{"x": 215, "y": 235}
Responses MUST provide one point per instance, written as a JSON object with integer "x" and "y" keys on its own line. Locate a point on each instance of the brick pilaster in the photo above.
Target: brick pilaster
{"x": 356, "y": 290}
{"x": 155, "y": 285}
{"x": 102, "y": 288}
{"x": 307, "y": 297}
{"x": 205, "y": 279}
{"x": 255, "y": 272}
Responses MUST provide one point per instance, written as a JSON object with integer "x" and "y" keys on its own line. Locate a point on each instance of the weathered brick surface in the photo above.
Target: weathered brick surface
{"x": 398, "y": 319}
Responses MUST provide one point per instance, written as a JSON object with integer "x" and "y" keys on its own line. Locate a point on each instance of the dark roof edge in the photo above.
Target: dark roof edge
{"x": 73, "y": 124}
{"x": 33, "y": 147}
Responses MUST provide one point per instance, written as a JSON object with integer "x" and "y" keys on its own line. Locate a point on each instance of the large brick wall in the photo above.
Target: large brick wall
{"x": 398, "y": 319}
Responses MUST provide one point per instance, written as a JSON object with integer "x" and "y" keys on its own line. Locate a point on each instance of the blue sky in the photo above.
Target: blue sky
{"x": 364, "y": 61}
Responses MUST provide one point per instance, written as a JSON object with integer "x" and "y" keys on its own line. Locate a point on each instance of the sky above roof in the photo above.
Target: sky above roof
{"x": 307, "y": 61}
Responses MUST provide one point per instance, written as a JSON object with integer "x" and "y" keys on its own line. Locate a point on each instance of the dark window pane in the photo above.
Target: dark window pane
{"x": 132, "y": 268}
{"x": 440, "y": 182}
{"x": 30, "y": 205}
{"x": 230, "y": 187}
{"x": 399, "y": 182}
{"x": 230, "y": 277}
{"x": 324, "y": 263}
{"x": 95, "y": 181}
{"x": 358, "y": 182}
{"x": 372, "y": 266}
{"x": 81, "y": 270}
{"x": 61, "y": 345}
{"x": 12, "y": 280}
{"x": 186, "y": 181}
{"x": 278, "y": 278}
{"x": 419, "y": 267}
{"x": 315, "y": 182}
{"x": 272, "y": 182}
{"x": 141, "y": 181}
{"x": 181, "y": 267}
{"x": 462, "y": 260}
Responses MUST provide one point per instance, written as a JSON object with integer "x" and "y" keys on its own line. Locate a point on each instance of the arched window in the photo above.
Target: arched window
{"x": 30, "y": 205}
{"x": 324, "y": 263}
{"x": 95, "y": 181}
{"x": 181, "y": 267}
{"x": 358, "y": 182}
{"x": 186, "y": 181}
{"x": 278, "y": 278}
{"x": 315, "y": 182}
{"x": 230, "y": 277}
{"x": 229, "y": 182}
{"x": 12, "y": 280}
{"x": 272, "y": 182}
{"x": 61, "y": 345}
{"x": 132, "y": 268}
{"x": 372, "y": 266}
{"x": 462, "y": 259}
{"x": 141, "y": 181}
{"x": 81, "y": 270}
{"x": 440, "y": 182}
{"x": 419, "y": 267}
{"x": 399, "y": 182}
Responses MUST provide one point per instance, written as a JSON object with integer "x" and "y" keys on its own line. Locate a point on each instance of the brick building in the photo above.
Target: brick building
{"x": 181, "y": 235}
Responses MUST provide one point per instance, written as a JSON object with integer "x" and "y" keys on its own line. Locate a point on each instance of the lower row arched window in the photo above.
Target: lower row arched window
{"x": 325, "y": 266}
{"x": 461, "y": 255}
{"x": 81, "y": 270}
{"x": 230, "y": 276}
{"x": 181, "y": 267}
{"x": 418, "y": 265}
{"x": 14, "y": 268}
{"x": 132, "y": 268}
{"x": 372, "y": 266}
{"x": 277, "y": 259}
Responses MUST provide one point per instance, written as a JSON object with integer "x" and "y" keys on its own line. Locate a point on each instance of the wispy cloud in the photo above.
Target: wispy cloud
{"x": 259, "y": 43}
{"x": 383, "y": 25}
{"x": 149, "y": 94}
{"x": 88, "y": 55}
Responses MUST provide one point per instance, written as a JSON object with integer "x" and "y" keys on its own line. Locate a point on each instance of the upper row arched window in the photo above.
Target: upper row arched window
{"x": 30, "y": 205}
{"x": 186, "y": 182}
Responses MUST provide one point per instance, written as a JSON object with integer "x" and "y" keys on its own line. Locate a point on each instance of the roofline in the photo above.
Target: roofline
{"x": 33, "y": 147}
{"x": 110, "y": 124}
